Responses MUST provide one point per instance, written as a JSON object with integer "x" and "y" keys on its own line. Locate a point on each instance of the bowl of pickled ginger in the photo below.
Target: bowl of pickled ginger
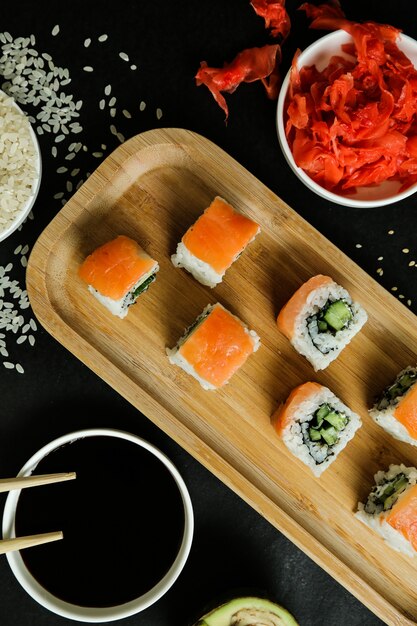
{"x": 347, "y": 115}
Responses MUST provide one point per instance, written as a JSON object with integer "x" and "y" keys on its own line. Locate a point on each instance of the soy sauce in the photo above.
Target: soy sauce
{"x": 122, "y": 519}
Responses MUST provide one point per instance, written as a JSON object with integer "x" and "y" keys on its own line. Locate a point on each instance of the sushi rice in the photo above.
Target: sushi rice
{"x": 202, "y": 271}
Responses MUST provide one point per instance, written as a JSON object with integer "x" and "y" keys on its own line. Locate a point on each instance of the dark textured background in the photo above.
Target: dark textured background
{"x": 234, "y": 548}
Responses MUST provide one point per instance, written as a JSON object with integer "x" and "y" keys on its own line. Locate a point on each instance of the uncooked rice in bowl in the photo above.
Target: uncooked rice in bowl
{"x": 17, "y": 161}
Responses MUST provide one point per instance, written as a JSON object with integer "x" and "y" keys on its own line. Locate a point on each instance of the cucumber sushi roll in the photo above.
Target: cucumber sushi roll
{"x": 117, "y": 273}
{"x": 391, "y": 508}
{"x": 396, "y": 408}
{"x": 315, "y": 425}
{"x": 214, "y": 347}
{"x": 214, "y": 242}
{"x": 320, "y": 320}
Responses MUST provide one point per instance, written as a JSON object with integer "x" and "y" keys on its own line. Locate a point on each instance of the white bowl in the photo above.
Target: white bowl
{"x": 26, "y": 208}
{"x": 319, "y": 54}
{"x": 93, "y": 614}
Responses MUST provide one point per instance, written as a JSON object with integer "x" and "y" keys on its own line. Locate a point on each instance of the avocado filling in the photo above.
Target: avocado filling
{"x": 402, "y": 384}
{"x": 332, "y": 318}
{"x": 323, "y": 431}
{"x": 384, "y": 496}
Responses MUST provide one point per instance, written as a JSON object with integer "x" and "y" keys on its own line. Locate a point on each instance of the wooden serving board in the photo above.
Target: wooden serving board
{"x": 151, "y": 189}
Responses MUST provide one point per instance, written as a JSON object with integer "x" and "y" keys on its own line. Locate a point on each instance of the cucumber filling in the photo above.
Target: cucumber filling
{"x": 133, "y": 295}
{"x": 323, "y": 431}
{"x": 384, "y": 496}
{"x": 402, "y": 384}
{"x": 329, "y": 320}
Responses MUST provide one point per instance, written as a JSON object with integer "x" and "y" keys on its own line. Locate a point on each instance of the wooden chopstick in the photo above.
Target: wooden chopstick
{"x": 20, "y": 482}
{"x": 19, "y": 543}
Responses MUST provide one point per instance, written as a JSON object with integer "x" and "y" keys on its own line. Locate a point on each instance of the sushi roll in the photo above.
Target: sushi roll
{"x": 396, "y": 408}
{"x": 391, "y": 508}
{"x": 214, "y": 347}
{"x": 214, "y": 242}
{"x": 117, "y": 273}
{"x": 315, "y": 425}
{"x": 320, "y": 320}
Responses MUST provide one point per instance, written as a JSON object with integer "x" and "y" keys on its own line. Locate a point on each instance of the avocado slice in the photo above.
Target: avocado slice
{"x": 248, "y": 611}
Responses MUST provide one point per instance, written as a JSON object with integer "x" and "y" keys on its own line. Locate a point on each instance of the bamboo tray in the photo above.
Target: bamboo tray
{"x": 152, "y": 188}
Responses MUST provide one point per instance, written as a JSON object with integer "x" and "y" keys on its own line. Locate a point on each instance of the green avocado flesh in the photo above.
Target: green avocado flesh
{"x": 248, "y": 611}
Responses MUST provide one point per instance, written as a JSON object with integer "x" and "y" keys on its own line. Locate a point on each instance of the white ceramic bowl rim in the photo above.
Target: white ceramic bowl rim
{"x": 26, "y": 208}
{"x": 93, "y": 614}
{"x": 323, "y": 43}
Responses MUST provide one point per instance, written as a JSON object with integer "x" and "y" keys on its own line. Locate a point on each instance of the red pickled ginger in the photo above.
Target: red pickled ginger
{"x": 355, "y": 122}
{"x": 248, "y": 66}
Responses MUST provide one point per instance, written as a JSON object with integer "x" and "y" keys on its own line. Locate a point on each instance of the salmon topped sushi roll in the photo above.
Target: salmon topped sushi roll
{"x": 391, "y": 508}
{"x": 117, "y": 273}
{"x": 315, "y": 425}
{"x": 320, "y": 319}
{"x": 214, "y": 242}
{"x": 396, "y": 408}
{"x": 214, "y": 347}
